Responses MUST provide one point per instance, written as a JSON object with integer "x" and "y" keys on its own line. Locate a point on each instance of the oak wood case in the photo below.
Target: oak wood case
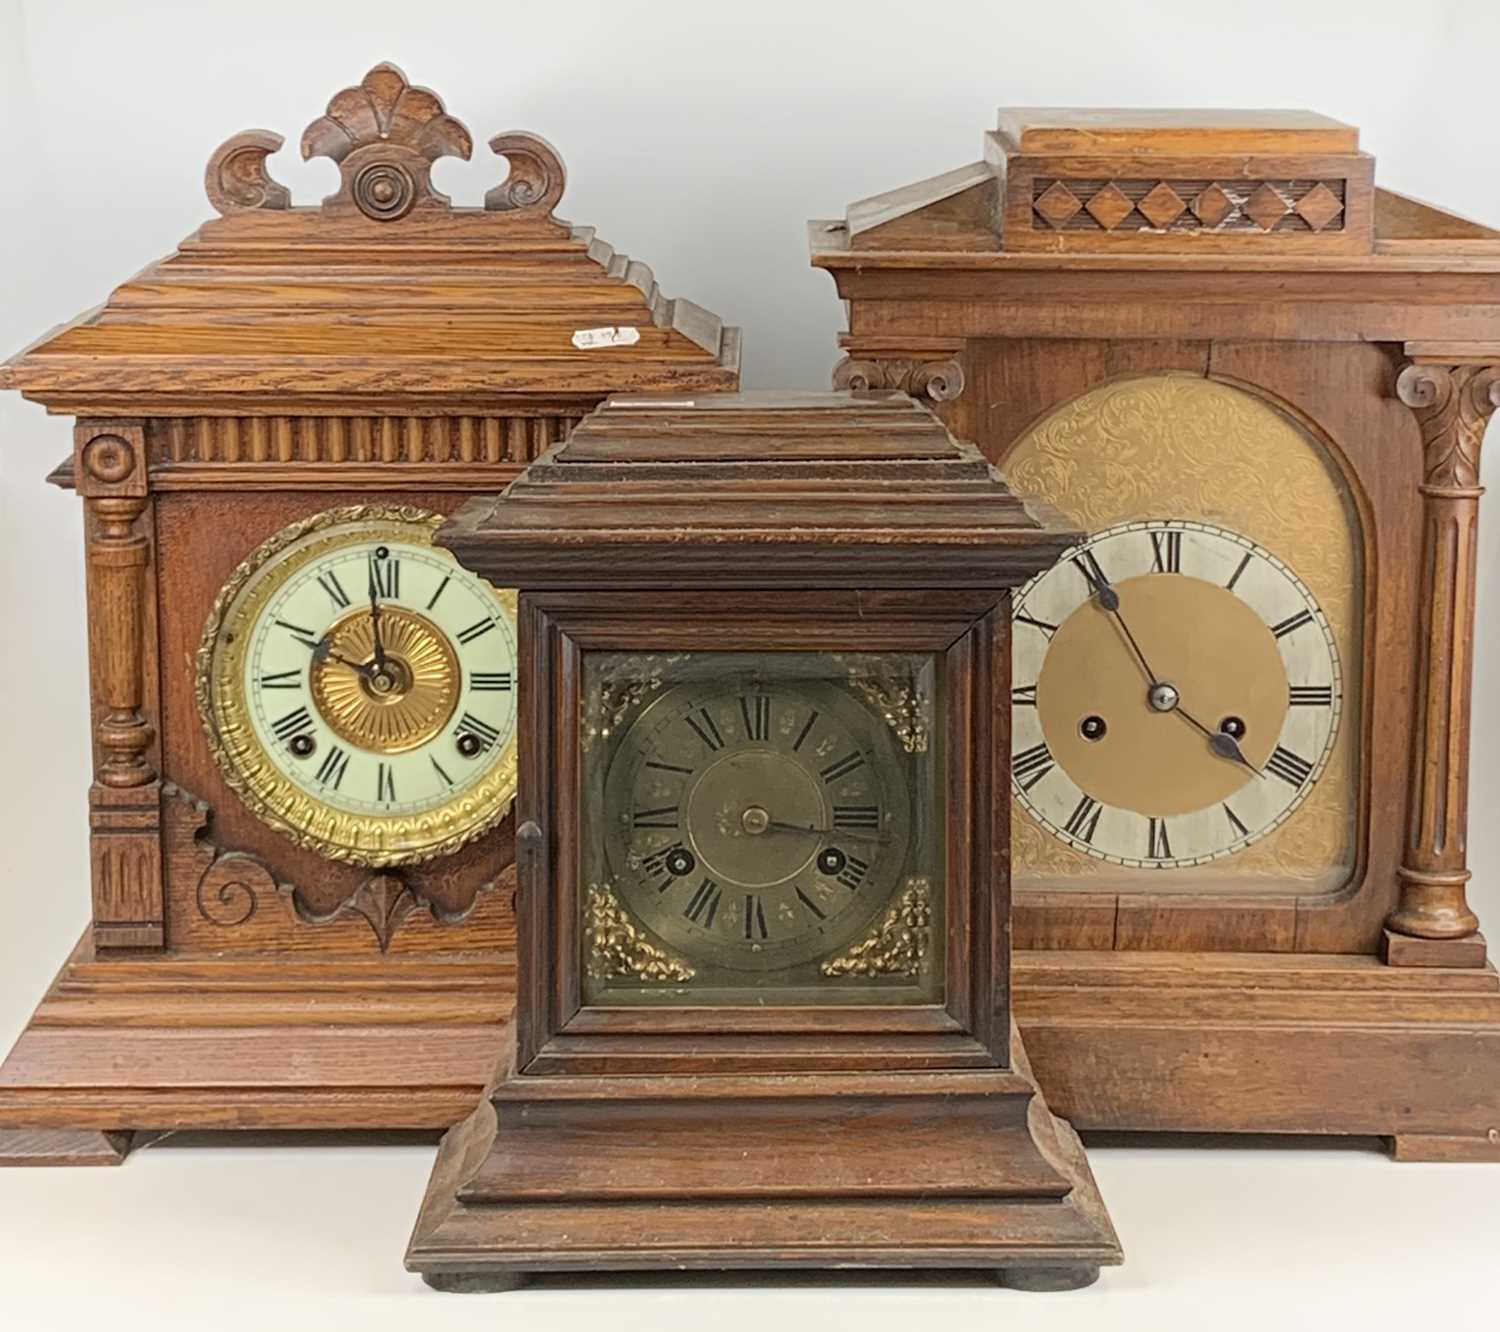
{"x": 602, "y": 1143}
{"x": 384, "y": 347}
{"x": 1376, "y": 329}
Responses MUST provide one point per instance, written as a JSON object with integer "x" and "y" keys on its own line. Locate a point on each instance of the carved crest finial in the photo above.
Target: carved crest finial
{"x": 385, "y": 133}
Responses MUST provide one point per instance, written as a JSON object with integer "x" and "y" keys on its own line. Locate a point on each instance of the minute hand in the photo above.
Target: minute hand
{"x": 826, "y": 832}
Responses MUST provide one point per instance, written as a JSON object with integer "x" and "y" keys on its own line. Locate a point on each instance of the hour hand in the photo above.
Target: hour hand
{"x": 323, "y": 651}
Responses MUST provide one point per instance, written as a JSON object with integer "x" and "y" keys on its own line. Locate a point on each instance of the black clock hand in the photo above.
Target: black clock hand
{"x": 379, "y": 661}
{"x": 1225, "y": 746}
{"x": 825, "y": 832}
{"x": 322, "y": 650}
{"x": 1108, "y": 600}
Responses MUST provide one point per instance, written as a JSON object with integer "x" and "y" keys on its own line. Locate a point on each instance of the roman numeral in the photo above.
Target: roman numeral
{"x": 706, "y": 731}
{"x": 1031, "y": 765}
{"x": 294, "y": 723}
{"x": 703, "y": 906}
{"x": 1166, "y": 552}
{"x": 438, "y": 768}
{"x": 1093, "y": 575}
{"x": 757, "y": 714}
{"x": 811, "y": 905}
{"x": 1311, "y": 696}
{"x": 498, "y": 680}
{"x": 329, "y": 582}
{"x": 1234, "y": 822}
{"x": 802, "y": 734}
{"x": 334, "y": 765}
{"x": 1291, "y": 623}
{"x": 1157, "y": 845}
{"x": 755, "y": 918}
{"x": 385, "y": 784}
{"x": 433, "y": 601}
{"x": 281, "y": 680}
{"x": 481, "y": 730}
{"x": 1240, "y": 568}
{"x": 1048, "y": 629}
{"x": 668, "y": 767}
{"x": 843, "y": 767}
{"x": 665, "y": 817}
{"x": 1084, "y": 819}
{"x": 387, "y": 575}
{"x": 1292, "y": 768}
{"x": 476, "y": 630}
{"x": 856, "y": 816}
{"x": 1023, "y": 696}
{"x": 853, "y": 873}
{"x": 303, "y": 636}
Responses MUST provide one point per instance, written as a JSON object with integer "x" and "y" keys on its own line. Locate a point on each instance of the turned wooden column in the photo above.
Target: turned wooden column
{"x": 110, "y": 472}
{"x": 1453, "y": 403}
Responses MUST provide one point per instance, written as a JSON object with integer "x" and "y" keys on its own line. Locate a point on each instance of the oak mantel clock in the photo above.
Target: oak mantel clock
{"x": 303, "y": 712}
{"x": 1239, "y": 798}
{"x": 763, "y": 903}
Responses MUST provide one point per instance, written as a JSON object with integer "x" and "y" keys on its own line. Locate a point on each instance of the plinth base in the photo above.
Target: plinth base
{"x": 155, "y": 1042}
{"x": 812, "y": 1171}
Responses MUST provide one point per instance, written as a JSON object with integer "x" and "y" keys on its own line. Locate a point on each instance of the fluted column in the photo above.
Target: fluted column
{"x": 1453, "y": 404}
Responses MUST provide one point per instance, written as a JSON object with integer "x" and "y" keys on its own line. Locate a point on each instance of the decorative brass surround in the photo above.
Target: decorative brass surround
{"x": 374, "y": 840}
{"x": 617, "y": 949}
{"x": 898, "y": 945}
{"x": 900, "y": 702}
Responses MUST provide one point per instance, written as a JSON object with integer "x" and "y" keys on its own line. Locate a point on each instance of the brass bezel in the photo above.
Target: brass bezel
{"x": 246, "y": 766}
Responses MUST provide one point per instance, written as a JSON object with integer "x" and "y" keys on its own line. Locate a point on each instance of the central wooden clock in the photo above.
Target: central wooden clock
{"x": 1240, "y": 706}
{"x": 763, "y": 1008}
{"x": 303, "y": 712}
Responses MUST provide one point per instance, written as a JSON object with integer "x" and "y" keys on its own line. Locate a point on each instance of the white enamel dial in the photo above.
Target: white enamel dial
{"x": 360, "y": 688}
{"x": 1176, "y": 691}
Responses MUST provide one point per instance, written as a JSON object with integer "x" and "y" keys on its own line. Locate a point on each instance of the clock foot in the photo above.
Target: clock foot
{"x": 476, "y": 1283}
{"x": 1048, "y": 1277}
{"x": 63, "y": 1147}
{"x": 1457, "y": 1147}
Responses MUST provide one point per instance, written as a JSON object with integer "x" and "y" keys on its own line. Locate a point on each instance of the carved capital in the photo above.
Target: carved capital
{"x": 1453, "y": 404}
{"x": 939, "y": 381}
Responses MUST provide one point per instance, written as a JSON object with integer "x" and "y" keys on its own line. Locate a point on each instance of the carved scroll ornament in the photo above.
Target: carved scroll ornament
{"x": 385, "y": 133}
{"x": 234, "y": 886}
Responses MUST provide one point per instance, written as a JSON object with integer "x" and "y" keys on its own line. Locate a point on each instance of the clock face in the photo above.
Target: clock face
{"x": 359, "y": 688}
{"x": 1233, "y": 541}
{"x": 1176, "y": 693}
{"x": 758, "y": 820}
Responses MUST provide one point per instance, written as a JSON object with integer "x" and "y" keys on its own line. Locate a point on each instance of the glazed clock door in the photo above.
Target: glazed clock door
{"x": 769, "y": 829}
{"x": 1186, "y": 682}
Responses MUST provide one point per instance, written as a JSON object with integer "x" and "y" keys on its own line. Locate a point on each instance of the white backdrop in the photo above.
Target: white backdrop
{"x": 698, "y": 137}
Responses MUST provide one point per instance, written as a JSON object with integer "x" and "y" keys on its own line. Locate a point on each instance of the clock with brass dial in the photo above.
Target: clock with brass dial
{"x": 759, "y": 817}
{"x": 358, "y": 688}
{"x": 1176, "y": 693}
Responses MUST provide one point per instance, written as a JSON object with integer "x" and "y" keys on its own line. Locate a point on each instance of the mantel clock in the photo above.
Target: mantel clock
{"x": 1241, "y": 703}
{"x": 763, "y": 904}
{"x": 303, "y": 711}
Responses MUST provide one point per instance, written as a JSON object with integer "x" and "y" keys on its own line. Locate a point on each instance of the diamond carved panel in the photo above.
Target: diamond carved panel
{"x": 1265, "y": 206}
{"x": 1109, "y": 207}
{"x": 1057, "y": 203}
{"x": 1319, "y": 206}
{"x": 1162, "y": 205}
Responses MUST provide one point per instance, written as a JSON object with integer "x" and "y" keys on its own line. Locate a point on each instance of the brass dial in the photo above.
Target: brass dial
{"x": 1176, "y": 694}
{"x": 358, "y": 688}
{"x": 757, "y": 827}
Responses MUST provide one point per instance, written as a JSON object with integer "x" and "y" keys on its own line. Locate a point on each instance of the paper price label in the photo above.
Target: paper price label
{"x": 606, "y": 337}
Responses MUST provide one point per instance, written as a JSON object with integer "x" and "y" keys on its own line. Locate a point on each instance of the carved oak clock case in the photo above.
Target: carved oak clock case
{"x": 303, "y": 712}
{"x": 1241, "y": 704}
{"x": 763, "y": 1010}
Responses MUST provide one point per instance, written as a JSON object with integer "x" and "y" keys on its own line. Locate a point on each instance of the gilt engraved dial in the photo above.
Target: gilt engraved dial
{"x": 359, "y": 688}
{"x": 1176, "y": 692}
